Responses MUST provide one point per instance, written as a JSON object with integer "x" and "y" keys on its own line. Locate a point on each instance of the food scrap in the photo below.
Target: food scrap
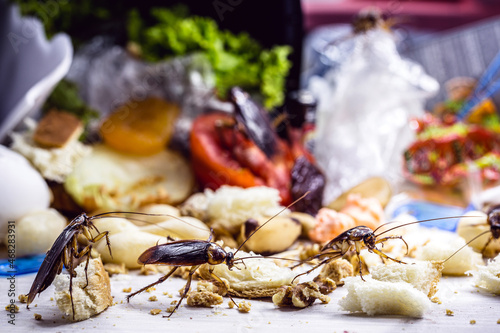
{"x": 393, "y": 289}
{"x": 88, "y": 299}
{"x": 207, "y": 294}
{"x": 358, "y": 211}
{"x": 488, "y": 277}
{"x": 113, "y": 269}
{"x": 12, "y": 308}
{"x": 244, "y": 306}
{"x": 300, "y": 296}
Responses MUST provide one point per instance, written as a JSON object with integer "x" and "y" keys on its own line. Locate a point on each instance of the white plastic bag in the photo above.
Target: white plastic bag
{"x": 363, "y": 114}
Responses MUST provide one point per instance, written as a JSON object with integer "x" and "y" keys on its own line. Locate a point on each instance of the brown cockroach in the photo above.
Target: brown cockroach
{"x": 65, "y": 251}
{"x": 193, "y": 253}
{"x": 62, "y": 253}
{"x": 360, "y": 237}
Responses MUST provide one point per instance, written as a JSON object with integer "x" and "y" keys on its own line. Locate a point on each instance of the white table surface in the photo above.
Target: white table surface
{"x": 456, "y": 293}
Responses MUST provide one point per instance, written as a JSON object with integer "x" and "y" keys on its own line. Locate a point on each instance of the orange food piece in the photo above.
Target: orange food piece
{"x": 330, "y": 224}
{"x": 364, "y": 211}
{"x": 140, "y": 127}
{"x": 358, "y": 211}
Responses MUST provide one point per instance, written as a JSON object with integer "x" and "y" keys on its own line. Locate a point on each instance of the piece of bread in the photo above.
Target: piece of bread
{"x": 375, "y": 297}
{"x": 488, "y": 277}
{"x": 206, "y": 295}
{"x": 394, "y": 289}
{"x": 440, "y": 245}
{"x": 422, "y": 275}
{"x": 88, "y": 301}
{"x": 258, "y": 277}
{"x": 471, "y": 225}
{"x": 230, "y": 206}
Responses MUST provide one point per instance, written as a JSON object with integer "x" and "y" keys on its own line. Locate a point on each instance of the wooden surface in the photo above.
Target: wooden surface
{"x": 456, "y": 293}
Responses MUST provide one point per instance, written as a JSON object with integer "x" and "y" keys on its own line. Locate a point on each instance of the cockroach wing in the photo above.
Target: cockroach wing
{"x": 50, "y": 265}
{"x": 178, "y": 253}
{"x": 255, "y": 120}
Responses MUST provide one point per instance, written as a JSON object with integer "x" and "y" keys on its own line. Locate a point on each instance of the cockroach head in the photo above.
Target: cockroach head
{"x": 370, "y": 240}
{"x": 230, "y": 259}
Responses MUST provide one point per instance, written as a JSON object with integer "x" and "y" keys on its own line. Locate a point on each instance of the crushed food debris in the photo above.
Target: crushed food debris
{"x": 154, "y": 312}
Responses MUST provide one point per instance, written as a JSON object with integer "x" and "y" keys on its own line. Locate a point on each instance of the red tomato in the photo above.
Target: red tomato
{"x": 222, "y": 155}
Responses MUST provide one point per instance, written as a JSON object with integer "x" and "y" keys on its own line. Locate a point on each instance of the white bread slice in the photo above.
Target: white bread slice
{"x": 258, "y": 277}
{"x": 375, "y": 297}
{"x": 422, "y": 275}
{"x": 394, "y": 289}
{"x": 435, "y": 245}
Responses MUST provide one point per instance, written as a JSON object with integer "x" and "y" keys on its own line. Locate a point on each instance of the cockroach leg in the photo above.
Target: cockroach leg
{"x": 382, "y": 240}
{"x": 186, "y": 289}
{"x": 325, "y": 261}
{"x": 160, "y": 280}
{"x": 218, "y": 279}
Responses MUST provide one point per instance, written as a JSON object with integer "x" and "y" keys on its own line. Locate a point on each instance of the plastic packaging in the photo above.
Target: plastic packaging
{"x": 364, "y": 109}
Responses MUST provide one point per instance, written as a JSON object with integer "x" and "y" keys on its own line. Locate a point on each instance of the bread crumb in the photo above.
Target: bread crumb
{"x": 12, "y": 308}
{"x": 52, "y": 298}
{"x": 150, "y": 289}
{"x": 335, "y": 270}
{"x": 449, "y": 312}
{"x": 113, "y": 269}
{"x": 154, "y": 312}
{"x": 23, "y": 298}
{"x": 436, "y": 300}
{"x": 498, "y": 321}
{"x": 171, "y": 309}
{"x": 174, "y": 302}
{"x": 37, "y": 316}
{"x": 472, "y": 321}
{"x": 230, "y": 304}
{"x": 207, "y": 293}
{"x": 148, "y": 270}
{"x": 166, "y": 293}
{"x": 127, "y": 290}
{"x": 153, "y": 299}
{"x": 244, "y": 306}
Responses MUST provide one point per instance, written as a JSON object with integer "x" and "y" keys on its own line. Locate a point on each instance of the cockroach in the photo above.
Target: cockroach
{"x": 193, "y": 253}
{"x": 357, "y": 238}
{"x": 65, "y": 251}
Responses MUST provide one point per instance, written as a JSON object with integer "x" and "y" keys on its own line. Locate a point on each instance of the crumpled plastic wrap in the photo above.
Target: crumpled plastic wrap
{"x": 363, "y": 114}
{"x": 109, "y": 76}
